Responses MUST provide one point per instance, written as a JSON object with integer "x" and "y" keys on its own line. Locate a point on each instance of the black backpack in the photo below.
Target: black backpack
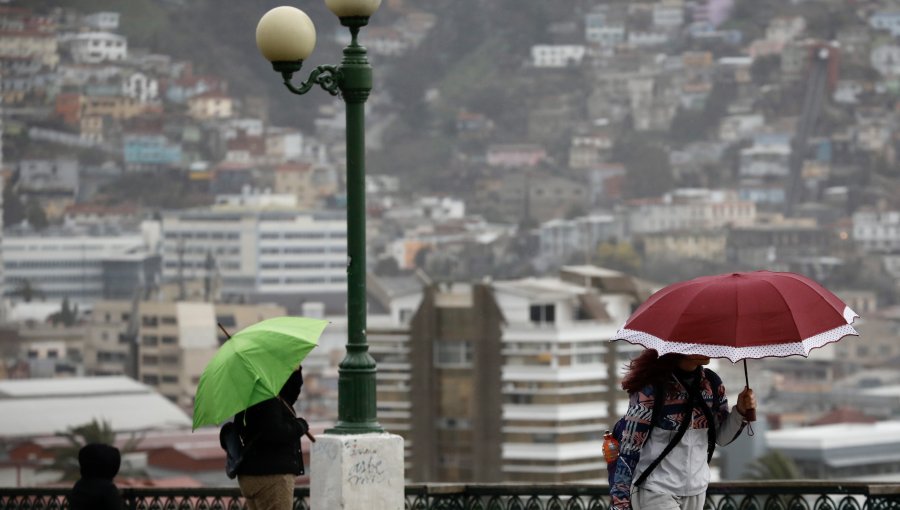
{"x": 659, "y": 398}
{"x": 231, "y": 441}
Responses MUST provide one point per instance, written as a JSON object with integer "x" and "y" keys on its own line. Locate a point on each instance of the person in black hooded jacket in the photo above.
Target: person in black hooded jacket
{"x": 272, "y": 460}
{"x": 96, "y": 490}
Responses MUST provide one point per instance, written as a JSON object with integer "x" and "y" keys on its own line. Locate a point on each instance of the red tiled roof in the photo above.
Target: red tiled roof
{"x": 174, "y": 482}
{"x": 844, "y": 415}
{"x": 294, "y": 167}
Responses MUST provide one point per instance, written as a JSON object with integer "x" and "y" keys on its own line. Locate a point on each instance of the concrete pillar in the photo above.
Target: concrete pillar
{"x": 357, "y": 472}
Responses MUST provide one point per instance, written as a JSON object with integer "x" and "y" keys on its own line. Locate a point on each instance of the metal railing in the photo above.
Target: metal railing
{"x": 767, "y": 495}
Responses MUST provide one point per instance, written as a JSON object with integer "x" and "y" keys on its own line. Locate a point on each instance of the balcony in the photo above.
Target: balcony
{"x": 766, "y": 495}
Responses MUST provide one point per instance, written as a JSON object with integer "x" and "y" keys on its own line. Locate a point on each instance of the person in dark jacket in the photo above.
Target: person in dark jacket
{"x": 96, "y": 490}
{"x": 272, "y": 460}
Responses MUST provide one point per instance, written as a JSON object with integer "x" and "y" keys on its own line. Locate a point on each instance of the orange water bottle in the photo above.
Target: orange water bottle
{"x": 610, "y": 447}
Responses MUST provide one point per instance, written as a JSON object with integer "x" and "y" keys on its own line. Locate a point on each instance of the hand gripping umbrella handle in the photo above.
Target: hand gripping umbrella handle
{"x": 750, "y": 414}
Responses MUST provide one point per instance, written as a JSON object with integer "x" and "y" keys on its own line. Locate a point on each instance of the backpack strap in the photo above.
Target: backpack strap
{"x": 715, "y": 384}
{"x": 697, "y": 396}
{"x": 658, "y": 403}
{"x": 659, "y": 400}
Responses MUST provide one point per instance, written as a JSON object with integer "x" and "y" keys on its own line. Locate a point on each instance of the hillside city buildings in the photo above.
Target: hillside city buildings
{"x": 150, "y": 203}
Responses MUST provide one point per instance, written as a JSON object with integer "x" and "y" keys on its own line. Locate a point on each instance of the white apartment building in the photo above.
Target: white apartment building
{"x": 605, "y": 26}
{"x": 140, "y": 86}
{"x": 688, "y": 209}
{"x": 668, "y": 15}
{"x": 80, "y": 75}
{"x": 96, "y": 47}
{"x": 58, "y": 175}
{"x": 555, "y": 378}
{"x": 646, "y": 39}
{"x": 886, "y": 20}
{"x": 877, "y": 231}
{"x": 736, "y": 127}
{"x": 560, "y": 238}
{"x": 254, "y": 251}
{"x": 556, "y": 56}
{"x": 435, "y": 208}
{"x": 30, "y": 44}
{"x": 59, "y": 265}
{"x": 104, "y": 20}
{"x": 544, "y": 417}
{"x": 607, "y": 36}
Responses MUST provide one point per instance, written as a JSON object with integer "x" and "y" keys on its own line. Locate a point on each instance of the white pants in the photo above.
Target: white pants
{"x": 642, "y": 499}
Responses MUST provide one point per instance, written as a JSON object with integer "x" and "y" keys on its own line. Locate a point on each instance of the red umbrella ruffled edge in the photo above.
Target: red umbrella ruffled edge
{"x": 735, "y": 354}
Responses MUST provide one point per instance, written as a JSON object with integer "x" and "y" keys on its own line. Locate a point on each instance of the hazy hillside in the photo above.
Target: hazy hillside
{"x": 217, "y": 36}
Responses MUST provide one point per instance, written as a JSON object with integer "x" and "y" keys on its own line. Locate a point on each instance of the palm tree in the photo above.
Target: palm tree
{"x": 66, "y": 457}
{"x": 773, "y": 466}
{"x": 26, "y": 290}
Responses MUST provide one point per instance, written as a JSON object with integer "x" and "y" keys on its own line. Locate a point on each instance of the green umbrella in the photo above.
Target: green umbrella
{"x": 252, "y": 366}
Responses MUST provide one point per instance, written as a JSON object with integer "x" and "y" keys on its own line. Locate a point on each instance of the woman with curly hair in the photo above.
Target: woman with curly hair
{"x": 665, "y": 465}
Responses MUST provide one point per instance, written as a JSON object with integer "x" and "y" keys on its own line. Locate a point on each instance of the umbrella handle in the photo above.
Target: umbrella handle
{"x": 311, "y": 437}
{"x": 750, "y": 415}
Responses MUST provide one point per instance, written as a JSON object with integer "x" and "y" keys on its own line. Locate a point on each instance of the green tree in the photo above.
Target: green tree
{"x": 751, "y": 17}
{"x": 65, "y": 458}
{"x": 687, "y": 126}
{"x": 27, "y": 291}
{"x": 36, "y": 215}
{"x": 648, "y": 172}
{"x": 765, "y": 68}
{"x": 67, "y": 315}
{"x": 621, "y": 256}
{"x": 773, "y": 466}
{"x": 13, "y": 208}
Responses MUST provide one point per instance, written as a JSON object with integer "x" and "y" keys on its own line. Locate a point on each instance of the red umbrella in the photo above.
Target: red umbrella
{"x": 737, "y": 316}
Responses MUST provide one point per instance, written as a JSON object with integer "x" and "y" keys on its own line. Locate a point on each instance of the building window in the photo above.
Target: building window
{"x": 152, "y": 380}
{"x": 544, "y": 437}
{"x": 452, "y": 354}
{"x": 149, "y": 340}
{"x": 406, "y": 315}
{"x": 541, "y": 314}
{"x": 521, "y": 399}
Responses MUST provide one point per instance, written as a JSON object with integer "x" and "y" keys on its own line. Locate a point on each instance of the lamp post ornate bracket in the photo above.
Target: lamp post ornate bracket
{"x": 327, "y": 77}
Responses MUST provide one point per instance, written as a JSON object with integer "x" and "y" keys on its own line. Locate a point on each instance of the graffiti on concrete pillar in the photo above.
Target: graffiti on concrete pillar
{"x": 366, "y": 465}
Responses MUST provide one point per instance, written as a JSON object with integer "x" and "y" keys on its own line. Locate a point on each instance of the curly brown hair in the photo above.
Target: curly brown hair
{"x": 649, "y": 368}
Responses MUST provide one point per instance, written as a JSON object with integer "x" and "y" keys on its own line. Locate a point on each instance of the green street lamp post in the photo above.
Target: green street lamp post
{"x": 286, "y": 36}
